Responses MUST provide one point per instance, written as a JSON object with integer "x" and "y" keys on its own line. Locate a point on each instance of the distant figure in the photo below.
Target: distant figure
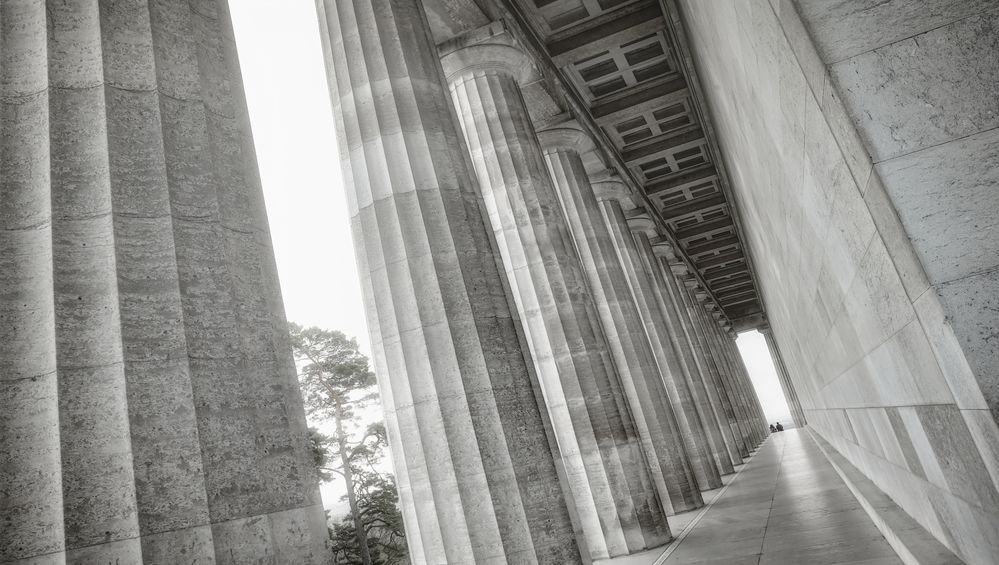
{"x": 772, "y": 428}
{"x": 780, "y": 428}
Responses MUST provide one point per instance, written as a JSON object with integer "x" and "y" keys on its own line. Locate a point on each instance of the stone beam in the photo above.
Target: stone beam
{"x": 639, "y": 94}
{"x": 720, "y": 259}
{"x": 712, "y": 244}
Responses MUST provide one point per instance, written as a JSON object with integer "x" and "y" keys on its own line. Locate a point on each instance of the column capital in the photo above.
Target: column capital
{"x": 487, "y": 57}
{"x": 567, "y": 136}
{"x": 612, "y": 188}
{"x": 640, "y": 221}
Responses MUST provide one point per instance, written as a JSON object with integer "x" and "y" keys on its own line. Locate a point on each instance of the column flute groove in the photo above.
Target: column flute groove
{"x": 99, "y": 506}
{"x": 167, "y": 460}
{"x": 31, "y": 513}
{"x": 650, "y": 302}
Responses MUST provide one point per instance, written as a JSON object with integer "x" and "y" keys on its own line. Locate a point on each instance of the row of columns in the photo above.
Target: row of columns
{"x": 149, "y": 404}
{"x": 552, "y": 390}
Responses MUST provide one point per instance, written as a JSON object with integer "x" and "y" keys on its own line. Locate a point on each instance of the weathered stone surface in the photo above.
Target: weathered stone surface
{"x": 889, "y": 226}
{"x": 148, "y": 405}
{"x": 946, "y": 199}
{"x": 925, "y": 103}
{"x": 32, "y": 515}
{"x": 650, "y": 301}
{"x": 99, "y": 506}
{"x": 925, "y": 90}
{"x": 868, "y": 343}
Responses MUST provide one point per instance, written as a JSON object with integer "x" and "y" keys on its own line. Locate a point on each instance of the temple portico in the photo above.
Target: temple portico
{"x": 564, "y": 212}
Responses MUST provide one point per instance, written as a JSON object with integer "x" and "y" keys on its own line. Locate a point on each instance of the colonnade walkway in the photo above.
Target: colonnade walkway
{"x": 786, "y": 506}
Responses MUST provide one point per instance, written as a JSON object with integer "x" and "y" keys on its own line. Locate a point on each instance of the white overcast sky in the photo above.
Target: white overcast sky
{"x": 286, "y": 89}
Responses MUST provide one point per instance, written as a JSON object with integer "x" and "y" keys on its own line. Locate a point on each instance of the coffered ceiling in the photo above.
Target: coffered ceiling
{"x": 621, "y": 65}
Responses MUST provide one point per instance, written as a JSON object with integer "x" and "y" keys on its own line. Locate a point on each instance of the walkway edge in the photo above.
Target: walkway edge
{"x": 673, "y": 545}
{"x": 913, "y": 544}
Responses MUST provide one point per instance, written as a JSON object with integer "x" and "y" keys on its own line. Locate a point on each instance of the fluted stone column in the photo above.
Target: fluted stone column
{"x": 149, "y": 405}
{"x": 726, "y": 454}
{"x": 732, "y": 378}
{"x": 477, "y": 478}
{"x": 647, "y": 295}
{"x": 640, "y": 378}
{"x": 614, "y": 496}
{"x": 716, "y": 366}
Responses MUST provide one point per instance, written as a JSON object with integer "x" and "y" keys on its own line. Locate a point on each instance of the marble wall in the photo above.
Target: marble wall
{"x": 861, "y": 142}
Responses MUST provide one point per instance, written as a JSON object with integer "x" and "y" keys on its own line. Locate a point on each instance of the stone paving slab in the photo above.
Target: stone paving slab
{"x": 786, "y": 506}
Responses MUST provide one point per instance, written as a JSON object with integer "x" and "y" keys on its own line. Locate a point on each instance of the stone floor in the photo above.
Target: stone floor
{"x": 787, "y": 506}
